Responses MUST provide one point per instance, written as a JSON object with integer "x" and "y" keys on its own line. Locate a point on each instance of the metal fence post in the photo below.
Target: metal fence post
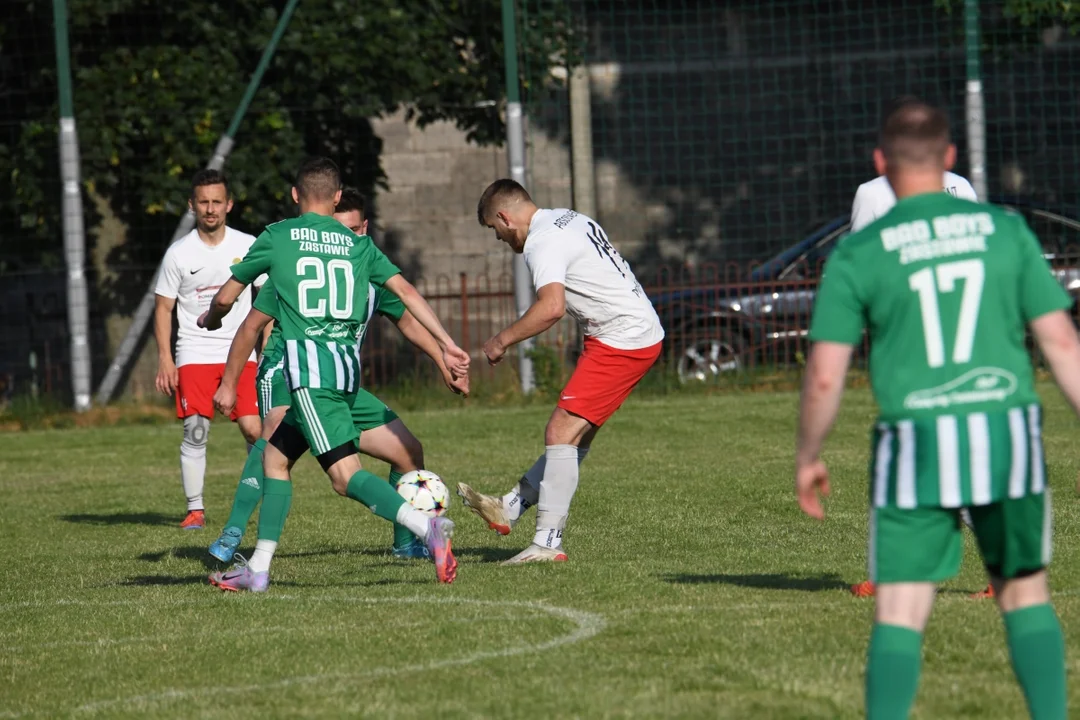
{"x": 975, "y": 108}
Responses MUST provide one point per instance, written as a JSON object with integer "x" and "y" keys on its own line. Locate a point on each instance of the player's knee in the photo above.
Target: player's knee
{"x": 196, "y": 434}
{"x": 250, "y": 428}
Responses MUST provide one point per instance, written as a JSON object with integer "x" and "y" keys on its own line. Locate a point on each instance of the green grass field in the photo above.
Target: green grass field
{"x": 694, "y": 588}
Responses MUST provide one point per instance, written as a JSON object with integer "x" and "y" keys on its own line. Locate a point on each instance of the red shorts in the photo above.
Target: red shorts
{"x": 198, "y": 383}
{"x": 603, "y": 379}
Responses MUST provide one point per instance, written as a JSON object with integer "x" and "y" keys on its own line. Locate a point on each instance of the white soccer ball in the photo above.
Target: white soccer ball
{"x": 425, "y": 491}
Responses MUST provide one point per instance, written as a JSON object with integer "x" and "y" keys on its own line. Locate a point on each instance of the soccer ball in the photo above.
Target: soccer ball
{"x": 425, "y": 491}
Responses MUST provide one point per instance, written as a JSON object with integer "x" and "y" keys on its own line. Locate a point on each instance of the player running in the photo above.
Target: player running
{"x": 945, "y": 288}
{"x": 321, "y": 272}
{"x": 382, "y": 434}
{"x": 873, "y": 199}
{"x": 574, "y": 268}
{"x": 193, "y": 269}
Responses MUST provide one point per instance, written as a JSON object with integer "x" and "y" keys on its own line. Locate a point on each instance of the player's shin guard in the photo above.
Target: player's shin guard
{"x": 277, "y": 499}
{"x": 193, "y": 459}
{"x": 556, "y": 491}
{"x": 1037, "y": 651}
{"x": 249, "y": 490}
{"x": 375, "y": 493}
{"x": 403, "y": 537}
{"x": 893, "y": 663}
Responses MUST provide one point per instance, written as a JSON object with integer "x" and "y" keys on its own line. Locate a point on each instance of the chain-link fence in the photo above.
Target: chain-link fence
{"x": 705, "y": 136}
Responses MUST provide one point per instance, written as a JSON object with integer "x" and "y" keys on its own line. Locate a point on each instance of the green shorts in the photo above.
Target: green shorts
{"x": 273, "y": 390}
{"x": 926, "y": 544}
{"x": 329, "y": 418}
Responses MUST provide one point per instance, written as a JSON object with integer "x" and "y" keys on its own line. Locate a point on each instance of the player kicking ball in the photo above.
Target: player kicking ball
{"x": 321, "y": 272}
{"x": 574, "y": 269}
{"x": 383, "y": 435}
{"x": 945, "y": 288}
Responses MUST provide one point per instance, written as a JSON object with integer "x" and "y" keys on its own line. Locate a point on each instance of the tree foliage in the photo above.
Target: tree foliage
{"x": 156, "y": 84}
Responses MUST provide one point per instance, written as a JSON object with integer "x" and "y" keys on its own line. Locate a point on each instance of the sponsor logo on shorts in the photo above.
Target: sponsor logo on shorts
{"x": 986, "y": 384}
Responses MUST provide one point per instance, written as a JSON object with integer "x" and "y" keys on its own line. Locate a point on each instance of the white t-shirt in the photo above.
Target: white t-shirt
{"x": 192, "y": 272}
{"x": 876, "y": 197}
{"x": 602, "y": 292}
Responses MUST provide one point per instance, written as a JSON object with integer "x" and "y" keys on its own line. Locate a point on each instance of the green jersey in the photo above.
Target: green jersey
{"x": 945, "y": 288}
{"x": 322, "y": 275}
{"x": 380, "y": 300}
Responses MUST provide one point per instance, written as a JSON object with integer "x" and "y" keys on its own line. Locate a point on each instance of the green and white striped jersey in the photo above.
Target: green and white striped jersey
{"x": 945, "y": 287}
{"x": 322, "y": 273}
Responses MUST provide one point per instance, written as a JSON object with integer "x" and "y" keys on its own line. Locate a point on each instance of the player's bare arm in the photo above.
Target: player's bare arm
{"x": 1056, "y": 336}
{"x": 222, "y": 303}
{"x": 549, "y": 308}
{"x": 239, "y": 351}
{"x": 823, "y": 387}
{"x": 167, "y": 374}
{"x": 415, "y": 333}
{"x": 456, "y": 359}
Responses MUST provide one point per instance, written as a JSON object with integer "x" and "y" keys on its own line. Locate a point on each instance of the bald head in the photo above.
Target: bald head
{"x": 915, "y": 135}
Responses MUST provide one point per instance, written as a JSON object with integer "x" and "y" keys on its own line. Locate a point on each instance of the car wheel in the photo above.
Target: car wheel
{"x": 704, "y": 359}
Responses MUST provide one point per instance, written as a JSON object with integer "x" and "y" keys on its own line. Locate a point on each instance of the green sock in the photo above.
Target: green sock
{"x": 277, "y": 499}
{"x": 249, "y": 490}
{"x": 402, "y": 536}
{"x": 375, "y": 493}
{"x": 892, "y": 671}
{"x": 1037, "y": 650}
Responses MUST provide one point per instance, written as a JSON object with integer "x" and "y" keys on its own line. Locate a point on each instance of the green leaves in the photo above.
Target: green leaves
{"x": 157, "y": 83}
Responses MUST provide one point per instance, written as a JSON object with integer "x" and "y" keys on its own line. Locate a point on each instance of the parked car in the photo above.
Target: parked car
{"x": 764, "y": 317}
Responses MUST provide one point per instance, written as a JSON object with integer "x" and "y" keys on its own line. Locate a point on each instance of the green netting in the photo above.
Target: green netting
{"x": 728, "y": 131}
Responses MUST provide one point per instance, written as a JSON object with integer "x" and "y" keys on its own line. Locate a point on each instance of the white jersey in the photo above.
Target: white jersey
{"x": 876, "y": 197}
{"x": 192, "y": 272}
{"x": 602, "y": 293}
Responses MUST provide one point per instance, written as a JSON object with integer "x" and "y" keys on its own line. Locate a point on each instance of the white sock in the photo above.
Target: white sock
{"x": 556, "y": 491}
{"x": 417, "y": 522}
{"x": 965, "y": 515}
{"x": 527, "y": 492}
{"x": 264, "y": 553}
{"x": 193, "y": 459}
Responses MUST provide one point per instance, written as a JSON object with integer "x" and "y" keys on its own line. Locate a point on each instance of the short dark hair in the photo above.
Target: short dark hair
{"x": 499, "y": 194}
{"x": 318, "y": 179}
{"x": 209, "y": 176}
{"x": 352, "y": 199}
{"x": 916, "y": 133}
{"x": 893, "y": 104}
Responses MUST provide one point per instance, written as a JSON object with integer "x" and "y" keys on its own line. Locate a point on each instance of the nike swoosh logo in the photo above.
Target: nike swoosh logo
{"x": 196, "y": 271}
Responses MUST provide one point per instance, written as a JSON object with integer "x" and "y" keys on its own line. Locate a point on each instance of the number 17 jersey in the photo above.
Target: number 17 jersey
{"x": 321, "y": 272}
{"x": 945, "y": 289}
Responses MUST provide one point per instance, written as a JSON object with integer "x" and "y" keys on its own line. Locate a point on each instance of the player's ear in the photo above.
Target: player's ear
{"x": 879, "y": 161}
{"x": 228, "y": 206}
{"x": 950, "y": 157}
{"x": 363, "y": 227}
{"x": 503, "y": 217}
{"x": 295, "y": 196}
{"x": 191, "y": 204}
{"x": 337, "y": 198}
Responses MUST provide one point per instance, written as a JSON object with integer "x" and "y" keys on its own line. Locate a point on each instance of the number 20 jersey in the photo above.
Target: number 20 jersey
{"x": 602, "y": 293}
{"x": 321, "y": 272}
{"x": 945, "y": 288}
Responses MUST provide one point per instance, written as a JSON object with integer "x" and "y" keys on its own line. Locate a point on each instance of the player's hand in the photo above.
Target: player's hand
{"x": 168, "y": 377}
{"x": 811, "y": 482}
{"x": 225, "y": 399}
{"x": 456, "y": 361}
{"x": 457, "y": 385}
{"x": 204, "y": 323}
{"x": 494, "y": 350}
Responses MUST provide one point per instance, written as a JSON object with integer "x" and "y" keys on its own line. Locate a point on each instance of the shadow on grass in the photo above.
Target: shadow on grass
{"x": 772, "y": 581}
{"x": 150, "y": 580}
{"x": 122, "y": 519}
{"x": 191, "y": 552}
{"x": 487, "y": 554}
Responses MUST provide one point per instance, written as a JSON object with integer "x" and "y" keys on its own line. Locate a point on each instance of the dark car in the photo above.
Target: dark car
{"x": 763, "y": 316}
